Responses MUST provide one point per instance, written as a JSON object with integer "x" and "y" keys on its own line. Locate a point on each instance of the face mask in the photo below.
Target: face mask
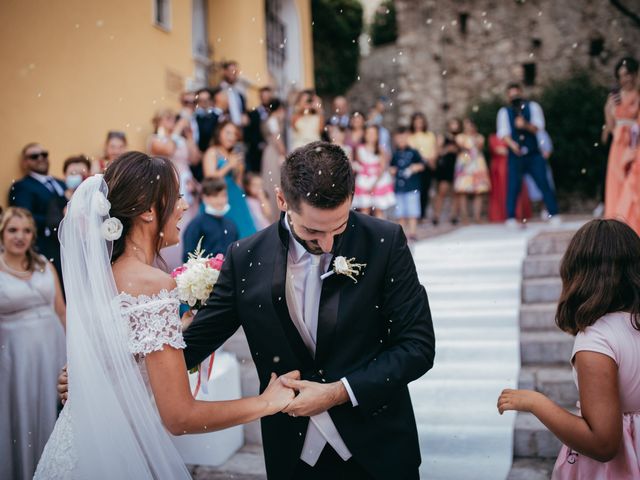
{"x": 215, "y": 211}
{"x": 73, "y": 181}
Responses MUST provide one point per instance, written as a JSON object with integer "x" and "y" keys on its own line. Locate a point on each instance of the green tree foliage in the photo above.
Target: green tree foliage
{"x": 574, "y": 118}
{"x": 384, "y": 29}
{"x": 336, "y": 29}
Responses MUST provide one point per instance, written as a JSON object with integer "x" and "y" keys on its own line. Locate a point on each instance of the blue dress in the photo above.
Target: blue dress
{"x": 239, "y": 212}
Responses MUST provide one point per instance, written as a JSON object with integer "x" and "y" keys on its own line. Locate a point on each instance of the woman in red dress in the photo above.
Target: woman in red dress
{"x": 498, "y": 151}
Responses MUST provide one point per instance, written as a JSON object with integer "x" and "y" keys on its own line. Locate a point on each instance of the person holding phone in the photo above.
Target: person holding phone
{"x": 621, "y": 114}
{"x": 307, "y": 120}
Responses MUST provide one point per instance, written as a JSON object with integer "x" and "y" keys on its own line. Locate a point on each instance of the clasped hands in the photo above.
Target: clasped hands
{"x": 302, "y": 398}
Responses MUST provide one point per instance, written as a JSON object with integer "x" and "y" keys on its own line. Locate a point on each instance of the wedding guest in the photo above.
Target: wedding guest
{"x": 237, "y": 100}
{"x": 546, "y": 149}
{"x": 274, "y": 152}
{"x": 216, "y": 231}
{"x": 471, "y": 175}
{"x": 374, "y": 186}
{"x": 376, "y": 118}
{"x": 76, "y": 169}
{"x": 173, "y": 139}
{"x": 253, "y": 132}
{"x": 621, "y": 114}
{"x": 214, "y": 110}
{"x": 426, "y": 143}
{"x": 338, "y": 136}
{"x": 114, "y": 146}
{"x": 188, "y": 103}
{"x": 43, "y": 196}
{"x": 600, "y": 306}
{"x": 629, "y": 204}
{"x": 307, "y": 122}
{"x": 445, "y": 171}
{"x": 498, "y": 151}
{"x": 406, "y": 165}
{"x": 32, "y": 315}
{"x": 258, "y": 201}
{"x": 223, "y": 161}
{"x": 355, "y": 134}
{"x": 517, "y": 124}
{"x": 339, "y": 112}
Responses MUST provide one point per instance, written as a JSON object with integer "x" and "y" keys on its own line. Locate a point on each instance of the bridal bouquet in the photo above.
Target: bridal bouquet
{"x": 196, "y": 278}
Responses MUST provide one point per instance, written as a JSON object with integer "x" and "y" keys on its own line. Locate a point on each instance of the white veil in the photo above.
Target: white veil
{"x": 116, "y": 428}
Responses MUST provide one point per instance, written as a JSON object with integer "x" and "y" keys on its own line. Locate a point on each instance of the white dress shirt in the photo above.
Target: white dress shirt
{"x": 504, "y": 126}
{"x": 235, "y": 103}
{"x": 300, "y": 263}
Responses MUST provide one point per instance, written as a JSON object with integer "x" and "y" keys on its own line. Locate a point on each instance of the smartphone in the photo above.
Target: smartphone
{"x": 617, "y": 97}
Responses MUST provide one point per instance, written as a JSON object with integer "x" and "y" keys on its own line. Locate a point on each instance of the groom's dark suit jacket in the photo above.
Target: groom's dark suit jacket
{"x": 377, "y": 333}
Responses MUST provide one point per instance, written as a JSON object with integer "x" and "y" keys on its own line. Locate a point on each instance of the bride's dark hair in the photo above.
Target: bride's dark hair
{"x": 138, "y": 182}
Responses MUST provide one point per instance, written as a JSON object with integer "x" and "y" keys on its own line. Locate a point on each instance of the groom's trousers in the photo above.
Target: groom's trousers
{"x": 330, "y": 466}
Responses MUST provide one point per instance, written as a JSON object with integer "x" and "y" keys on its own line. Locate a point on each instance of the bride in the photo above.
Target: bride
{"x": 127, "y": 375}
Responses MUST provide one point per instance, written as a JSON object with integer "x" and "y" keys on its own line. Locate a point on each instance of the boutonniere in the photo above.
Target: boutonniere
{"x": 344, "y": 266}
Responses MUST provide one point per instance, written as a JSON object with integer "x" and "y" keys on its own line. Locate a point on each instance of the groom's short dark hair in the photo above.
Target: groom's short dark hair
{"x": 318, "y": 173}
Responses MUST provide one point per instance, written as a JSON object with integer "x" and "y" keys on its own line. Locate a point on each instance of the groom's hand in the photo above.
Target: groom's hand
{"x": 314, "y": 398}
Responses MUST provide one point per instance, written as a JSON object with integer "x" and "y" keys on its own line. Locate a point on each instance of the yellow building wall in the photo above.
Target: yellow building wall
{"x": 237, "y": 31}
{"x": 304, "y": 11}
{"x": 74, "y": 69}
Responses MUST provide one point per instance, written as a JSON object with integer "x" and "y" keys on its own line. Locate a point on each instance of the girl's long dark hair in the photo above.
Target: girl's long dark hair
{"x": 136, "y": 183}
{"x": 600, "y": 274}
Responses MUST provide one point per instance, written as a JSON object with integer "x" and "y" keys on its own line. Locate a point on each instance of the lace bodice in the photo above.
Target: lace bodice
{"x": 153, "y": 321}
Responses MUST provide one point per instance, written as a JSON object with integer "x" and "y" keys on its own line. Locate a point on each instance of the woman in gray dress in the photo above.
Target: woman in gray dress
{"x": 32, "y": 315}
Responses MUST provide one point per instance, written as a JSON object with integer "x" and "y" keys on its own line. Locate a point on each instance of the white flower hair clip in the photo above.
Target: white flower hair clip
{"x": 344, "y": 266}
{"x": 101, "y": 204}
{"x": 111, "y": 229}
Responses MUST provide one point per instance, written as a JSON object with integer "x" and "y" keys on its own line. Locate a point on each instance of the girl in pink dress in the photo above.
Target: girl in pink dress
{"x": 600, "y": 305}
{"x": 374, "y": 185}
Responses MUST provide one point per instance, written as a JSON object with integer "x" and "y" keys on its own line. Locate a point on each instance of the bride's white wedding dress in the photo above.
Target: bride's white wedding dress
{"x": 110, "y": 427}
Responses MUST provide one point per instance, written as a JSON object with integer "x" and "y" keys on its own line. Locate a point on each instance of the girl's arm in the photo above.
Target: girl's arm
{"x": 210, "y": 165}
{"x": 181, "y": 413}
{"x": 597, "y": 433}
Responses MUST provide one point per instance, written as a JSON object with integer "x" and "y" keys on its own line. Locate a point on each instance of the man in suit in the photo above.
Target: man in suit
{"x": 357, "y": 342}
{"x": 253, "y": 131}
{"x": 43, "y": 195}
{"x": 237, "y": 100}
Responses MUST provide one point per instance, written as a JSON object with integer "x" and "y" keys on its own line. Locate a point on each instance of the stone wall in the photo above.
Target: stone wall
{"x": 450, "y": 53}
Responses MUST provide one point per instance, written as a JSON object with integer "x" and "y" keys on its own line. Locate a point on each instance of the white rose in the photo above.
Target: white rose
{"x": 111, "y": 229}
{"x": 341, "y": 265}
{"x": 101, "y": 204}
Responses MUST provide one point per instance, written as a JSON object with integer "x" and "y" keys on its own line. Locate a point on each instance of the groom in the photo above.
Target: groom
{"x": 356, "y": 345}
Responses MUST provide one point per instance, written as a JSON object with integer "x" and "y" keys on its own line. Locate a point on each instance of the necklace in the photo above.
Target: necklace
{"x": 17, "y": 273}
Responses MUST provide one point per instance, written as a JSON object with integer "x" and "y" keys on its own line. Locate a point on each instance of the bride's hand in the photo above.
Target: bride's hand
{"x": 277, "y": 396}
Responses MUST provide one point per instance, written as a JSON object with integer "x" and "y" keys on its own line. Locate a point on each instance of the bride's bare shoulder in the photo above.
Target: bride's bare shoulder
{"x": 136, "y": 278}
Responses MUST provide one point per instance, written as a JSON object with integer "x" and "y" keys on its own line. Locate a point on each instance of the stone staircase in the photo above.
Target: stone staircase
{"x": 545, "y": 351}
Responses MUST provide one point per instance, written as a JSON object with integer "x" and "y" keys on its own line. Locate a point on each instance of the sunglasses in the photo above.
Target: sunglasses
{"x": 188, "y": 102}
{"x": 37, "y": 155}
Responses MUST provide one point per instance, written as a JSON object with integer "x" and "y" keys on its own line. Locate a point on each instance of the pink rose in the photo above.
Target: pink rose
{"x": 178, "y": 271}
{"x": 216, "y": 262}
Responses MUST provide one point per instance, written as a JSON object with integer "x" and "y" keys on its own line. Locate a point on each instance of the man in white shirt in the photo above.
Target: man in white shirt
{"x": 237, "y": 101}
{"x": 518, "y": 124}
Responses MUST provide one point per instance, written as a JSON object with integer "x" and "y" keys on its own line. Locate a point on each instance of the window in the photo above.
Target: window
{"x": 462, "y": 22}
{"x": 596, "y": 46}
{"x": 162, "y": 14}
{"x": 276, "y": 37}
{"x": 529, "y": 74}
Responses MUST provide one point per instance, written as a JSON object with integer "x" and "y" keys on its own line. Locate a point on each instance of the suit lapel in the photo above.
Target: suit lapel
{"x": 279, "y": 299}
{"x": 330, "y": 299}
